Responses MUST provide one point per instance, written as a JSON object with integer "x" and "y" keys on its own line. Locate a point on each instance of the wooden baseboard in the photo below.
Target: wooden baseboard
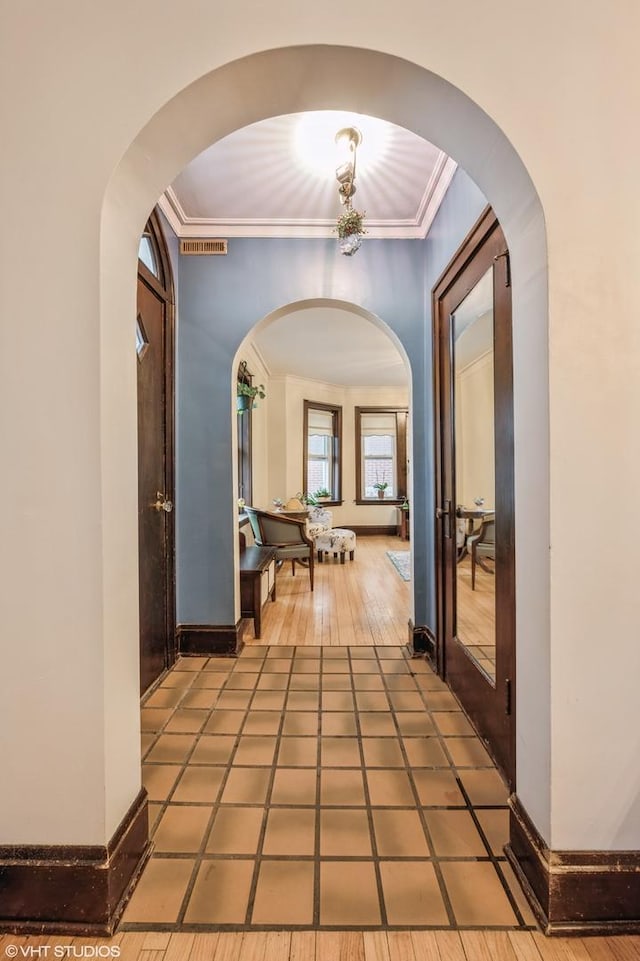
{"x": 69, "y": 889}
{"x": 574, "y": 892}
{"x": 369, "y": 531}
{"x": 211, "y": 639}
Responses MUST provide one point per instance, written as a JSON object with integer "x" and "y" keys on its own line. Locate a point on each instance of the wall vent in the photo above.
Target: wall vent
{"x": 199, "y": 248}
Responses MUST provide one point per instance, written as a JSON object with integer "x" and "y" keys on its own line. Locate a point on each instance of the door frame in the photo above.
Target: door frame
{"x": 490, "y": 708}
{"x": 163, "y": 288}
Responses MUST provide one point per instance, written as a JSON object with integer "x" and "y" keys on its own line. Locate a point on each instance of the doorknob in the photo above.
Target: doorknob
{"x": 444, "y": 513}
{"x": 162, "y": 504}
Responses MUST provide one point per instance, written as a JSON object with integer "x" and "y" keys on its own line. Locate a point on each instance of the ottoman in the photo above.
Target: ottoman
{"x": 339, "y": 540}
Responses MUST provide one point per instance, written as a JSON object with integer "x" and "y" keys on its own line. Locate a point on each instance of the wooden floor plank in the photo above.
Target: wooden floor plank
{"x": 499, "y": 946}
{"x": 339, "y": 946}
{"x": 475, "y": 946}
{"x": 376, "y": 946}
{"x": 400, "y": 946}
{"x": 205, "y": 947}
{"x": 228, "y": 947}
{"x": 303, "y": 946}
{"x": 524, "y": 947}
{"x": 179, "y": 947}
{"x": 156, "y": 941}
{"x": 278, "y": 946}
{"x": 450, "y": 946}
{"x": 254, "y": 946}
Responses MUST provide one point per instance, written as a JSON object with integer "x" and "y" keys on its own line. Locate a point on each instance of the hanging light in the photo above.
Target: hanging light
{"x": 349, "y": 227}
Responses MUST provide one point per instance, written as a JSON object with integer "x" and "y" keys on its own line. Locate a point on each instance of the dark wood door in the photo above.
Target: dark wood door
{"x": 155, "y": 476}
{"x": 474, "y": 486}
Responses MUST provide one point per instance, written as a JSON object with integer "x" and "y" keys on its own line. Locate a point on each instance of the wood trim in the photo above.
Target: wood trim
{"x": 402, "y": 415}
{"x": 72, "y": 889}
{"x": 574, "y": 892}
{"x": 372, "y": 530}
{"x": 210, "y": 639}
{"x": 336, "y": 411}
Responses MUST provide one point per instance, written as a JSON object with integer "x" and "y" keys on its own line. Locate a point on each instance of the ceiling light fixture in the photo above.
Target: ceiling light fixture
{"x": 350, "y": 225}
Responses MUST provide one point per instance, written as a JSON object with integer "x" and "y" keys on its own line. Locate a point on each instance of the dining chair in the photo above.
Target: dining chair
{"x": 482, "y": 546}
{"x": 286, "y": 534}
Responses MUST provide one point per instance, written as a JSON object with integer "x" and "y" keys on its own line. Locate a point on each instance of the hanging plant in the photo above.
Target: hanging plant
{"x": 349, "y": 223}
{"x": 246, "y": 392}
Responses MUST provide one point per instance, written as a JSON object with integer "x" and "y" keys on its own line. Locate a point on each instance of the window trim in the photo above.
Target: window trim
{"x": 336, "y": 411}
{"x": 401, "y": 415}
{"x": 245, "y": 444}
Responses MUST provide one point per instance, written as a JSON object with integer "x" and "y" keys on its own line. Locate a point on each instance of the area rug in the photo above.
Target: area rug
{"x": 401, "y": 560}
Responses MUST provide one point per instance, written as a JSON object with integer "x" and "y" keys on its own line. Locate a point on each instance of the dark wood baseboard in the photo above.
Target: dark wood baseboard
{"x": 211, "y": 639}
{"x": 422, "y": 641}
{"x": 70, "y": 889}
{"x": 574, "y": 892}
{"x": 369, "y": 531}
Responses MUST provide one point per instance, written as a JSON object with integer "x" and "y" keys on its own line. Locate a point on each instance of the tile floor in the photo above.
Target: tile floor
{"x": 319, "y": 788}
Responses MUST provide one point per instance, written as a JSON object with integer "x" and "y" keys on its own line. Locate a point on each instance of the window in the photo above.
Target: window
{"x": 381, "y": 454}
{"x": 245, "y": 468}
{"x": 322, "y": 446}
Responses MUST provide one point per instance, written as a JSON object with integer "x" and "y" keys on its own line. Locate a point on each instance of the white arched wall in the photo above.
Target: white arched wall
{"x": 294, "y": 307}
{"x": 321, "y": 77}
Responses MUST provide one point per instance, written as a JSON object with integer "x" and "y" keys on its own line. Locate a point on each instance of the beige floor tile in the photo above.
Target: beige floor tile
{"x": 400, "y": 834}
{"x": 277, "y": 665}
{"x": 441, "y": 701}
{"x": 334, "y": 653}
{"x": 204, "y": 699}
{"x": 236, "y": 831}
{"x": 343, "y": 788}
{"x": 159, "y": 779}
{"x": 464, "y": 880}
{"x": 400, "y": 682}
{"x": 281, "y": 650}
{"x": 172, "y": 747}
{"x": 339, "y": 723}
{"x": 164, "y": 697}
{"x": 425, "y": 752}
{"x": 294, "y": 786}
{"x": 182, "y": 679}
{"x": 406, "y": 701}
{"x": 412, "y": 894}
{"x": 221, "y": 892}
{"x": 454, "y": 834}
{"x": 382, "y": 752}
{"x": 484, "y": 787}
{"x": 273, "y": 682}
{"x": 415, "y": 723}
{"x": 495, "y": 826}
{"x": 372, "y": 701}
{"x": 262, "y": 722}
{"x": 335, "y": 667}
{"x": 234, "y": 700}
{"x": 452, "y": 723}
{"x": 394, "y": 668}
{"x": 290, "y": 831}
{"x": 303, "y": 701}
{"x": 337, "y": 701}
{"x": 246, "y": 786}
{"x": 468, "y": 752}
{"x": 377, "y": 725}
{"x": 438, "y": 789}
{"x": 154, "y": 718}
{"x": 210, "y": 680}
{"x": 248, "y": 665}
{"x": 390, "y": 788}
{"x": 362, "y": 653}
{"x": 199, "y": 784}
{"x": 368, "y": 682}
{"x": 241, "y": 682}
{"x": 348, "y": 893}
{"x": 218, "y": 663}
{"x": 146, "y": 740}
{"x": 304, "y": 682}
{"x": 306, "y": 665}
{"x": 298, "y": 752}
{"x": 344, "y": 833}
{"x": 186, "y": 722}
{"x": 158, "y": 896}
{"x": 428, "y": 681}
{"x": 339, "y": 752}
{"x": 518, "y": 894}
{"x": 255, "y": 750}
{"x": 390, "y": 654}
{"x": 181, "y": 829}
{"x": 365, "y": 667}
{"x": 336, "y": 682}
{"x": 284, "y": 894}
{"x": 213, "y": 749}
{"x": 268, "y": 700}
{"x": 313, "y": 651}
{"x": 224, "y": 722}
{"x": 300, "y": 722}
{"x": 154, "y": 809}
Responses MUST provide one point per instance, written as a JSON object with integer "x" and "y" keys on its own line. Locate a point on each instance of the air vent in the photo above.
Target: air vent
{"x": 203, "y": 248}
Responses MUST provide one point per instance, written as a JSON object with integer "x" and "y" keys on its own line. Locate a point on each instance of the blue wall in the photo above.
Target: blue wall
{"x": 221, "y": 299}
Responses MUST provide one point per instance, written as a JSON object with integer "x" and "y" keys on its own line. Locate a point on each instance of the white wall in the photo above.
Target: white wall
{"x": 474, "y": 424}
{"x": 562, "y": 85}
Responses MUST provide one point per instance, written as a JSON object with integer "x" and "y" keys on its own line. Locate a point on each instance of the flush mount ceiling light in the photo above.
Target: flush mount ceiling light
{"x": 350, "y": 225}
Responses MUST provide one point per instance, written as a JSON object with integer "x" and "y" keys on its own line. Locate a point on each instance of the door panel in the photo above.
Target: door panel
{"x": 153, "y": 524}
{"x": 475, "y": 504}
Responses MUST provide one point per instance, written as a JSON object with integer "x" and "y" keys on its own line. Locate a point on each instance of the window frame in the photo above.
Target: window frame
{"x": 401, "y": 415}
{"x": 336, "y": 413}
{"x": 245, "y": 444}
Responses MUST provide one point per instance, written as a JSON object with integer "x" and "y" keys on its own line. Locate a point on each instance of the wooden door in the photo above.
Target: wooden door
{"x": 475, "y": 557}
{"x": 155, "y": 461}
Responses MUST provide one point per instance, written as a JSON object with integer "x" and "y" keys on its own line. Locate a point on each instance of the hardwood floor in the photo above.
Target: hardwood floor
{"x": 476, "y": 614}
{"x": 360, "y": 602}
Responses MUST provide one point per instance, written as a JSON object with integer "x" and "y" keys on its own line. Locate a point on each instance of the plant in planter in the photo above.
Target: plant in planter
{"x": 381, "y": 487}
{"x": 350, "y": 230}
{"x": 322, "y": 494}
{"x": 245, "y": 390}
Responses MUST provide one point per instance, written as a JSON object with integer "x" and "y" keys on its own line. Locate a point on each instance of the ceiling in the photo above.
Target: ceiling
{"x": 330, "y": 344}
{"x": 276, "y": 178}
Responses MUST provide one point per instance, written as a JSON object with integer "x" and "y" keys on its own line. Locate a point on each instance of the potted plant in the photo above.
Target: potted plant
{"x": 350, "y": 230}
{"x": 322, "y": 494}
{"x": 246, "y": 395}
{"x": 381, "y": 487}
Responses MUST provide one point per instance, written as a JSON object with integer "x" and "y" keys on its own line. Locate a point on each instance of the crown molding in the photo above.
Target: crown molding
{"x": 415, "y": 228}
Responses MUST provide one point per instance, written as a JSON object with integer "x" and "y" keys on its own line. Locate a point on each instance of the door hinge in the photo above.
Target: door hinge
{"x": 507, "y": 696}
{"x": 507, "y": 282}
